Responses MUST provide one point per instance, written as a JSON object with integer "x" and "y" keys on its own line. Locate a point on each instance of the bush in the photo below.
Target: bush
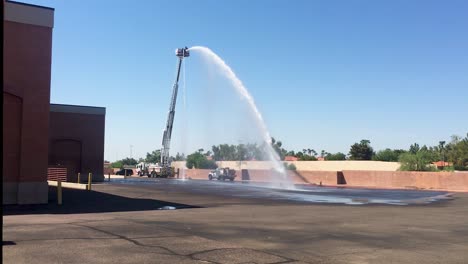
{"x": 307, "y": 158}
{"x": 460, "y": 168}
{"x": 449, "y": 168}
{"x": 117, "y": 164}
{"x": 199, "y": 161}
{"x": 292, "y": 167}
{"x": 421, "y": 161}
{"x": 336, "y": 156}
{"x": 289, "y": 166}
{"x": 388, "y": 155}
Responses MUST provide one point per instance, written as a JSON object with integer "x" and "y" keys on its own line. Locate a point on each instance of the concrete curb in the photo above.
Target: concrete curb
{"x": 69, "y": 185}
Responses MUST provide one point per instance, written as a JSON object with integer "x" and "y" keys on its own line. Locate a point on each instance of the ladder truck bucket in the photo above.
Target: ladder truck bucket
{"x": 181, "y": 53}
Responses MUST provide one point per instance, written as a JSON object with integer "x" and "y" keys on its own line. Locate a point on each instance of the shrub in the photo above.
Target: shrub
{"x": 421, "y": 161}
{"x": 291, "y": 167}
{"x": 199, "y": 161}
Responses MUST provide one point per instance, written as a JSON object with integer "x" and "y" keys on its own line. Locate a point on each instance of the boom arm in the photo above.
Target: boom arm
{"x": 166, "y": 142}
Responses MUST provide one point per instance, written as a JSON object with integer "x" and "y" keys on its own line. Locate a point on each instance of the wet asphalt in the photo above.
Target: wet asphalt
{"x": 296, "y": 194}
{"x": 134, "y": 221}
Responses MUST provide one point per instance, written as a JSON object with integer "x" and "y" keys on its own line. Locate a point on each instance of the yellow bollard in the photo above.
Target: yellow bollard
{"x": 59, "y": 192}
{"x": 78, "y": 178}
{"x": 89, "y": 181}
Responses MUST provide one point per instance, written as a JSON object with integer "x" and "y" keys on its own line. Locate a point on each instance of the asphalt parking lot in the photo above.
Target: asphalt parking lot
{"x": 170, "y": 221}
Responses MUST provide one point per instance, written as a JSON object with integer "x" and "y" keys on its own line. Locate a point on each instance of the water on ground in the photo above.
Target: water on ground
{"x": 302, "y": 193}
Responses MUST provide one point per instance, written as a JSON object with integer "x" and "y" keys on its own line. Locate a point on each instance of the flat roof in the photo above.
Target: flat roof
{"x": 77, "y": 109}
{"x": 29, "y": 14}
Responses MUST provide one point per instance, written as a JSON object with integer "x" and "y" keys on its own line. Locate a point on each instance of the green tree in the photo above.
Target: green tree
{"x": 179, "y": 157}
{"x": 323, "y": 153}
{"x": 421, "y": 161}
{"x": 336, "y": 156}
{"x": 117, "y": 164}
{"x": 442, "y": 150}
{"x": 199, "y": 161}
{"x": 277, "y": 146}
{"x": 306, "y": 157}
{"x": 457, "y": 152}
{"x": 153, "y": 157}
{"x": 129, "y": 162}
{"x": 414, "y": 148}
{"x": 361, "y": 151}
{"x": 388, "y": 155}
{"x": 290, "y": 166}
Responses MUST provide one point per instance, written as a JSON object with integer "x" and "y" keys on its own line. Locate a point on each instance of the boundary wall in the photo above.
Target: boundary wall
{"x": 448, "y": 181}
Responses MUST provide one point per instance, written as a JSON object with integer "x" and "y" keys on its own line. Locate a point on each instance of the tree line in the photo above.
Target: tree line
{"x": 416, "y": 157}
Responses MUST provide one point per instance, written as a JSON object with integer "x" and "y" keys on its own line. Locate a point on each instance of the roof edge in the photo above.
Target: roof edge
{"x": 77, "y": 109}
{"x": 27, "y": 4}
{"x": 28, "y": 14}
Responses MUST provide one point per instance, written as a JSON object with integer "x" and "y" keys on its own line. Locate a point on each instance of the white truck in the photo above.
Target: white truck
{"x": 148, "y": 169}
{"x": 222, "y": 174}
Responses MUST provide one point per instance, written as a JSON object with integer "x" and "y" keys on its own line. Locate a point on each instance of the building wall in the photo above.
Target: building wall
{"x": 76, "y": 140}
{"x": 452, "y": 181}
{"x": 26, "y": 90}
{"x": 330, "y": 165}
{"x": 447, "y": 181}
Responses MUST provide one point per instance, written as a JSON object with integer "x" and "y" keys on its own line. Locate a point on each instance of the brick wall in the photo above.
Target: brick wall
{"x": 27, "y": 50}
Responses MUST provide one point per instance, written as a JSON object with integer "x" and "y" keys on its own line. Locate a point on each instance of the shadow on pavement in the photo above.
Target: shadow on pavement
{"x": 82, "y": 202}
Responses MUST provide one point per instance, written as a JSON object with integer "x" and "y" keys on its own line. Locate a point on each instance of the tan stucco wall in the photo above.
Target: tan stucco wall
{"x": 448, "y": 181}
{"x": 308, "y": 165}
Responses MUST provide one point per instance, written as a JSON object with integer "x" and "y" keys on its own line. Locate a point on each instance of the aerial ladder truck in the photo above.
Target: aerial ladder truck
{"x": 166, "y": 170}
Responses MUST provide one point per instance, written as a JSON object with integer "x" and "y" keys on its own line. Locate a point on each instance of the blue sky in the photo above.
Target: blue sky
{"x": 324, "y": 74}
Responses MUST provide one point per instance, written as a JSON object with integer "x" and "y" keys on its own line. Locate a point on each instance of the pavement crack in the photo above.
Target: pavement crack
{"x": 129, "y": 239}
{"x": 286, "y": 259}
{"x": 67, "y": 238}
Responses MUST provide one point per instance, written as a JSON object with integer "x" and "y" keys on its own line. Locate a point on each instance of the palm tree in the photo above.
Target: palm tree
{"x": 314, "y": 152}
{"x": 441, "y": 148}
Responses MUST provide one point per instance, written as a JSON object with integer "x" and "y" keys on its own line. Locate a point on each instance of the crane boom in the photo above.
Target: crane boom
{"x": 166, "y": 142}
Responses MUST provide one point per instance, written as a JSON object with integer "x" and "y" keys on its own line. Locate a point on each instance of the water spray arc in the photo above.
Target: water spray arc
{"x": 244, "y": 93}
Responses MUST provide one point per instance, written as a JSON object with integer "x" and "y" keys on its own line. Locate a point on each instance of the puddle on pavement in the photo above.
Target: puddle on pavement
{"x": 303, "y": 193}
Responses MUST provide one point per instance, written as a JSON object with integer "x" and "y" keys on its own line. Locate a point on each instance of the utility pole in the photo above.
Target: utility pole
{"x": 131, "y": 148}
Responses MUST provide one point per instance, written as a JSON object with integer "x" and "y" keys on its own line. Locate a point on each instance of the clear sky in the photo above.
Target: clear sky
{"x": 324, "y": 74}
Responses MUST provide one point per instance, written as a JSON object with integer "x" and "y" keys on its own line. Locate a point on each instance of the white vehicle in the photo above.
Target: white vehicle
{"x": 222, "y": 174}
{"x": 148, "y": 169}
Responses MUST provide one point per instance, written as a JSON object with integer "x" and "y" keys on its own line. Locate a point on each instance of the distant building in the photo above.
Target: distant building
{"x": 321, "y": 158}
{"x": 441, "y": 164}
{"x": 291, "y": 158}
